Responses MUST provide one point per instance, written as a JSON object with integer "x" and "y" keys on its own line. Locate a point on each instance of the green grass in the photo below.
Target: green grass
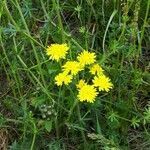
{"x": 117, "y": 31}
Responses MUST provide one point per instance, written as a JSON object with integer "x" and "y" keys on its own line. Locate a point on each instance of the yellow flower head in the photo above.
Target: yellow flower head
{"x": 96, "y": 69}
{"x": 72, "y": 66}
{"x": 86, "y": 58}
{"x": 63, "y": 78}
{"x": 87, "y": 93}
{"x": 81, "y": 84}
{"x": 57, "y": 51}
{"x": 103, "y": 83}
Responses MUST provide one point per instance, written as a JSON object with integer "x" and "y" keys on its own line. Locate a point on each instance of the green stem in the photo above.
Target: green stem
{"x": 76, "y": 104}
{"x": 12, "y": 70}
{"x": 59, "y": 27}
{"x": 103, "y": 13}
{"x": 142, "y": 34}
{"x": 124, "y": 118}
{"x": 34, "y": 136}
{"x": 9, "y": 15}
{"x": 110, "y": 19}
{"x": 17, "y": 27}
{"x": 80, "y": 119}
{"x": 37, "y": 80}
{"x": 71, "y": 110}
{"x": 57, "y": 128}
{"x": 34, "y": 49}
{"x": 57, "y": 8}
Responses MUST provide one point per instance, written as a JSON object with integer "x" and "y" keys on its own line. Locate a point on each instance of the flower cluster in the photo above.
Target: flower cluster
{"x": 47, "y": 111}
{"x": 86, "y": 92}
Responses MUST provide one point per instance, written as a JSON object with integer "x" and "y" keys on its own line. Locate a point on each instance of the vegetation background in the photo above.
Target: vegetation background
{"x": 35, "y": 113}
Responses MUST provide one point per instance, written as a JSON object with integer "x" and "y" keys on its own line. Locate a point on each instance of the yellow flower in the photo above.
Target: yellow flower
{"x": 103, "y": 83}
{"x": 63, "y": 78}
{"x": 86, "y": 58}
{"x": 72, "y": 67}
{"x": 96, "y": 69}
{"x": 81, "y": 84}
{"x": 57, "y": 51}
{"x": 87, "y": 93}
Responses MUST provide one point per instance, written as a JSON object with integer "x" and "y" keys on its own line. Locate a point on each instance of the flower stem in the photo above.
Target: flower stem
{"x": 82, "y": 132}
{"x": 34, "y": 135}
{"x": 57, "y": 8}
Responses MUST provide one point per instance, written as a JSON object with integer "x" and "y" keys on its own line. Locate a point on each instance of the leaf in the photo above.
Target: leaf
{"x": 48, "y": 125}
{"x": 135, "y": 122}
{"x": 37, "y": 101}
